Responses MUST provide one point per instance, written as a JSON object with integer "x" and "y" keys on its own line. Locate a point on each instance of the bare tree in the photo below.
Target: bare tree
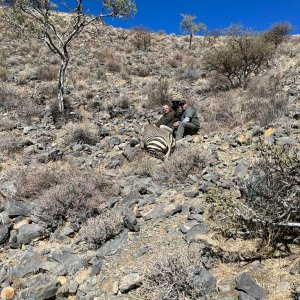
{"x": 39, "y": 17}
{"x": 188, "y": 25}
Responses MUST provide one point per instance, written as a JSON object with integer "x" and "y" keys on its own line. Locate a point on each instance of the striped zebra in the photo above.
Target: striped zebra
{"x": 158, "y": 141}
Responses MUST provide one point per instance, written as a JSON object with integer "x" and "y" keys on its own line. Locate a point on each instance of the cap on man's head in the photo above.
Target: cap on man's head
{"x": 182, "y": 102}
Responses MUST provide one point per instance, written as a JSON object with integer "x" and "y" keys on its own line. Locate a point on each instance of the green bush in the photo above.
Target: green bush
{"x": 241, "y": 55}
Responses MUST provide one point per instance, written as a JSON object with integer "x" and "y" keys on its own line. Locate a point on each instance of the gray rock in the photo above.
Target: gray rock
{"x": 295, "y": 270}
{"x": 77, "y": 147}
{"x": 285, "y": 141}
{"x": 41, "y": 291}
{"x": 18, "y": 208}
{"x": 130, "y": 221}
{"x": 245, "y": 296}
{"x": 204, "y": 281}
{"x": 3, "y": 273}
{"x": 73, "y": 286}
{"x": 205, "y": 186}
{"x": 211, "y": 177}
{"x": 96, "y": 267}
{"x": 196, "y": 230}
{"x": 177, "y": 209}
{"x": 196, "y": 209}
{"x": 245, "y": 283}
{"x": 196, "y": 217}
{"x": 29, "y": 232}
{"x": 225, "y": 298}
{"x": 29, "y": 264}
{"x": 184, "y": 228}
{"x": 146, "y": 199}
{"x": 155, "y": 213}
{"x": 142, "y": 251}
{"x": 70, "y": 261}
{"x": 67, "y": 230}
{"x": 192, "y": 193}
{"x": 113, "y": 246}
{"x": 130, "y": 282}
{"x": 4, "y": 234}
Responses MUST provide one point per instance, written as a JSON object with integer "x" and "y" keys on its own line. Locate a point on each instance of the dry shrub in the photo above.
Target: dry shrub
{"x": 264, "y": 111}
{"x": 171, "y": 276}
{"x": 10, "y": 143}
{"x": 8, "y": 97}
{"x": 46, "y": 73}
{"x": 269, "y": 207}
{"x": 182, "y": 163}
{"x": 144, "y": 165}
{"x": 173, "y": 62}
{"x": 2, "y": 72}
{"x": 8, "y": 123}
{"x": 222, "y": 111}
{"x": 113, "y": 65}
{"x": 86, "y": 133}
{"x": 105, "y": 55}
{"x": 278, "y": 33}
{"x": 264, "y": 87}
{"x": 97, "y": 230}
{"x": 158, "y": 92}
{"x": 76, "y": 198}
{"x": 233, "y": 108}
{"x": 143, "y": 71}
{"x": 48, "y": 89}
{"x": 30, "y": 182}
{"x": 141, "y": 38}
{"x": 273, "y": 193}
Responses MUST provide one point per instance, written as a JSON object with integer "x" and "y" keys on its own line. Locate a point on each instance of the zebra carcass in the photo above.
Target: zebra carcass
{"x": 158, "y": 141}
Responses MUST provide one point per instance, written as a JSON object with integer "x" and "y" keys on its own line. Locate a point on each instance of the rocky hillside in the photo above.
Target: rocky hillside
{"x": 85, "y": 213}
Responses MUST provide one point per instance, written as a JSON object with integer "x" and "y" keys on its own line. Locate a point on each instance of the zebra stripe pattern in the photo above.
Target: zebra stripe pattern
{"x": 158, "y": 141}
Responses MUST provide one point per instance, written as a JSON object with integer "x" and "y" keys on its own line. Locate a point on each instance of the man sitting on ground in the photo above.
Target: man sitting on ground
{"x": 188, "y": 123}
{"x": 167, "y": 120}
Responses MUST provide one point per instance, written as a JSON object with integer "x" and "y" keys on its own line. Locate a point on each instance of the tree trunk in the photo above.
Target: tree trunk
{"x": 190, "y": 47}
{"x": 61, "y": 85}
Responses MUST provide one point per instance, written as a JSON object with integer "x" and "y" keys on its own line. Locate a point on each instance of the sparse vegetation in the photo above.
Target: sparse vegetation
{"x": 277, "y": 33}
{"x": 269, "y": 206}
{"x": 178, "y": 167}
{"x": 75, "y": 199}
{"x": 158, "y": 92}
{"x": 97, "y": 230}
{"x": 141, "y": 38}
{"x": 241, "y": 55}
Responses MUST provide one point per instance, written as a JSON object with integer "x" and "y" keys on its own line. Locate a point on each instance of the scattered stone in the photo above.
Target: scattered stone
{"x": 204, "y": 281}
{"x": 197, "y": 217}
{"x": 184, "y": 228}
{"x": 195, "y": 231}
{"x": 113, "y": 246}
{"x": 130, "y": 282}
{"x": 4, "y": 234}
{"x": 71, "y": 262}
{"x": 29, "y": 264}
{"x": 192, "y": 193}
{"x": 18, "y": 208}
{"x": 142, "y": 251}
{"x": 245, "y": 283}
{"x": 29, "y": 232}
{"x": 130, "y": 221}
{"x": 295, "y": 270}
